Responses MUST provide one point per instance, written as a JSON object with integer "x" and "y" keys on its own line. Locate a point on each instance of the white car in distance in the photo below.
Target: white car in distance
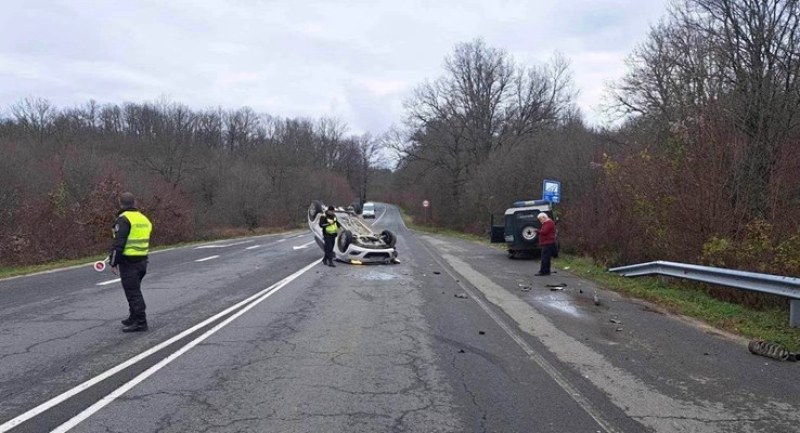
{"x": 368, "y": 210}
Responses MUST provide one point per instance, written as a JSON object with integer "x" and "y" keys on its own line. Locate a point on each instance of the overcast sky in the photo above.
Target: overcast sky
{"x": 352, "y": 59}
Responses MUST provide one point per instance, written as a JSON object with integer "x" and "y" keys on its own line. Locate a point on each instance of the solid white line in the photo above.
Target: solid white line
{"x": 105, "y": 283}
{"x": 537, "y": 358}
{"x": 206, "y": 258}
{"x": 385, "y": 208}
{"x": 253, "y": 247}
{"x": 8, "y": 425}
{"x": 91, "y": 410}
{"x": 403, "y": 222}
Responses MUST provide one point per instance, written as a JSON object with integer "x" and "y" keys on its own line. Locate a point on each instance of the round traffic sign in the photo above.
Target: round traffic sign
{"x": 426, "y": 203}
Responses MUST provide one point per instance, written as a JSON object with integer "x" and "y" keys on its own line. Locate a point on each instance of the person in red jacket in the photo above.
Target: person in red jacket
{"x": 547, "y": 241}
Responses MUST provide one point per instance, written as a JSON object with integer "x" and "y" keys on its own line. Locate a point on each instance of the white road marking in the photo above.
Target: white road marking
{"x": 403, "y": 222}
{"x": 385, "y": 208}
{"x": 206, "y": 258}
{"x": 110, "y": 372}
{"x": 280, "y": 240}
{"x": 222, "y": 245}
{"x": 105, "y": 283}
{"x": 253, "y": 247}
{"x": 300, "y": 247}
{"x": 91, "y": 410}
{"x": 545, "y": 365}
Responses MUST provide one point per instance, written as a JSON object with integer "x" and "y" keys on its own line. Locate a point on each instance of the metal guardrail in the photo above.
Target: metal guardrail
{"x": 765, "y": 283}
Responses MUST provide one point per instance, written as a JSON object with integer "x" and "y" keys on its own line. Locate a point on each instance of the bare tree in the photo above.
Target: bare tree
{"x": 757, "y": 43}
{"x": 483, "y": 103}
{"x": 733, "y": 58}
{"x": 34, "y": 115}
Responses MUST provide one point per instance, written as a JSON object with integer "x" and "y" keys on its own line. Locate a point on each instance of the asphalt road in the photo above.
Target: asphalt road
{"x": 255, "y": 335}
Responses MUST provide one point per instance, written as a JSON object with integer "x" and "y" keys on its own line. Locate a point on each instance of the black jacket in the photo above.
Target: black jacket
{"x": 122, "y": 228}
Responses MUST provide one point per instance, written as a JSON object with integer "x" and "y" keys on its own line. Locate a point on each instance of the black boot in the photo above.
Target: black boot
{"x": 138, "y": 326}
{"x": 127, "y": 322}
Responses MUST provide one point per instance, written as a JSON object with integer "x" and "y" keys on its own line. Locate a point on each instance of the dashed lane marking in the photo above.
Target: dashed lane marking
{"x": 206, "y": 258}
{"x": 260, "y": 296}
{"x": 105, "y": 283}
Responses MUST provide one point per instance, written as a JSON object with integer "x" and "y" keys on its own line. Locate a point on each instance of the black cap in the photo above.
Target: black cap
{"x": 127, "y": 200}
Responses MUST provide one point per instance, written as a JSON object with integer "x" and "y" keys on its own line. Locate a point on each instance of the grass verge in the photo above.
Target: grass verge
{"x": 676, "y": 296}
{"x": 691, "y": 300}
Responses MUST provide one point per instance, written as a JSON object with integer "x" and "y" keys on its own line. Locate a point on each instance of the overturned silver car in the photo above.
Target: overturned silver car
{"x": 356, "y": 242}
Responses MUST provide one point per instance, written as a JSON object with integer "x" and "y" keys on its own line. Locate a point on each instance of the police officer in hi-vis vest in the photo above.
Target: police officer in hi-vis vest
{"x": 128, "y": 259}
{"x": 330, "y": 226}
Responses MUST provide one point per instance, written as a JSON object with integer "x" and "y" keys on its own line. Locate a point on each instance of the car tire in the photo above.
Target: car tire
{"x": 528, "y": 233}
{"x": 389, "y": 238}
{"x": 345, "y": 239}
{"x": 314, "y": 210}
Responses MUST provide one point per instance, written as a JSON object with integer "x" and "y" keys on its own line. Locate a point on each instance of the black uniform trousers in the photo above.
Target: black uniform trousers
{"x": 547, "y": 253}
{"x": 131, "y": 274}
{"x": 330, "y": 241}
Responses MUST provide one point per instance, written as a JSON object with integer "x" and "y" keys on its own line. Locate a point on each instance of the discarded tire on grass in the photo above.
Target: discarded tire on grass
{"x": 771, "y": 350}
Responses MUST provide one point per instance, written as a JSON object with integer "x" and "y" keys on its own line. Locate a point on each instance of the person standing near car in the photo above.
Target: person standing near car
{"x": 330, "y": 227}
{"x": 547, "y": 242}
{"x": 128, "y": 259}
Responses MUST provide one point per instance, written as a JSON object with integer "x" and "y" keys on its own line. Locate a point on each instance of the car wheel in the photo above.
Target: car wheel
{"x": 388, "y": 238}
{"x": 345, "y": 239}
{"x": 529, "y": 233}
{"x": 314, "y": 210}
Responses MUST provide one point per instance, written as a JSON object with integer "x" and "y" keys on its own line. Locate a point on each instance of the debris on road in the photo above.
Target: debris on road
{"x": 437, "y": 273}
{"x": 461, "y": 351}
{"x": 525, "y": 288}
{"x": 461, "y": 295}
{"x": 562, "y": 285}
{"x": 619, "y": 329}
{"x": 615, "y": 321}
{"x": 481, "y": 332}
{"x": 772, "y": 350}
{"x": 556, "y": 288}
{"x": 596, "y": 298}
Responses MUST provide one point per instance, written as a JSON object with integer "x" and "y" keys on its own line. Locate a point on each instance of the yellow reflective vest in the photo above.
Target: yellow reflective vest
{"x": 332, "y": 226}
{"x": 138, "y": 243}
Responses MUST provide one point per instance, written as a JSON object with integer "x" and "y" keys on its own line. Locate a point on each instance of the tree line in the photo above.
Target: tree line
{"x": 196, "y": 173}
{"x": 704, "y": 166}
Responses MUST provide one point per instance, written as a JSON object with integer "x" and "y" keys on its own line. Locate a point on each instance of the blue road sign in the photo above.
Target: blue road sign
{"x": 551, "y": 190}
